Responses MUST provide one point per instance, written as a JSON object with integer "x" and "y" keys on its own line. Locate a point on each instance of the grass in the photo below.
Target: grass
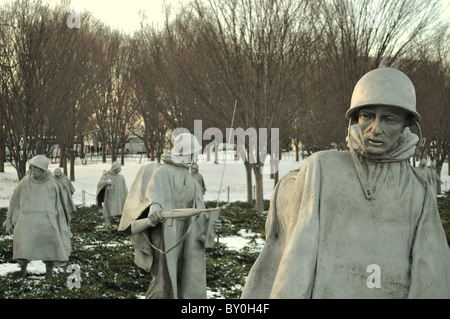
{"x": 106, "y": 261}
{"x": 106, "y": 258}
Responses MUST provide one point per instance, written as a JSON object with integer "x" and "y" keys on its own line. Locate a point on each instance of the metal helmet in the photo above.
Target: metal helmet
{"x": 423, "y": 162}
{"x": 115, "y": 165}
{"x": 186, "y": 143}
{"x": 58, "y": 172}
{"x": 384, "y": 86}
{"x": 40, "y": 161}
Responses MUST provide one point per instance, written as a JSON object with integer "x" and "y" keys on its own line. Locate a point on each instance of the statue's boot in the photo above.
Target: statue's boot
{"x": 23, "y": 263}
{"x": 107, "y": 221}
{"x": 49, "y": 265}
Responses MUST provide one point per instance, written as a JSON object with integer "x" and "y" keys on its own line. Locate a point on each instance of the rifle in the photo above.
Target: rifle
{"x": 140, "y": 225}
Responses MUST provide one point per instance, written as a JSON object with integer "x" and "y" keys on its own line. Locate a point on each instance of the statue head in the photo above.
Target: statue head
{"x": 423, "y": 162}
{"x": 116, "y": 167}
{"x": 384, "y": 87}
{"x": 39, "y": 165}
{"x": 58, "y": 172}
{"x": 186, "y": 148}
{"x": 384, "y": 104}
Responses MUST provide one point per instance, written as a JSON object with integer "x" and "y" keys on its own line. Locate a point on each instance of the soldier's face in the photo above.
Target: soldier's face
{"x": 381, "y": 127}
{"x": 37, "y": 172}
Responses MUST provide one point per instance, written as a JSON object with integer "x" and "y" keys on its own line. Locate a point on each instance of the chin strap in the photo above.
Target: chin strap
{"x": 368, "y": 192}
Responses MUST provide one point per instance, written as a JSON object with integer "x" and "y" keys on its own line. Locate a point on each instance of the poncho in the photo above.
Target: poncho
{"x": 41, "y": 221}
{"x": 67, "y": 191}
{"x": 177, "y": 266}
{"x": 112, "y": 195}
{"x": 325, "y": 237}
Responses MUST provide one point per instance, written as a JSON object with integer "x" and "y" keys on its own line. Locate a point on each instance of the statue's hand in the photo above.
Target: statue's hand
{"x": 154, "y": 214}
{"x": 8, "y": 226}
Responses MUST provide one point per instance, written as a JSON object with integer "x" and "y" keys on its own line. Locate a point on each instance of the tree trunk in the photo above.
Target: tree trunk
{"x": 439, "y": 185}
{"x": 248, "y": 171}
{"x": 259, "y": 194}
{"x": 2, "y": 156}
{"x": 152, "y": 153}
{"x": 2, "y": 148}
{"x": 122, "y": 155}
{"x": 61, "y": 155}
{"x": 72, "y": 165}
{"x": 297, "y": 150}
{"x": 103, "y": 151}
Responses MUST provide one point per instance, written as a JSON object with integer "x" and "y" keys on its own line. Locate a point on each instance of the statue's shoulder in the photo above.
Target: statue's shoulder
{"x": 318, "y": 159}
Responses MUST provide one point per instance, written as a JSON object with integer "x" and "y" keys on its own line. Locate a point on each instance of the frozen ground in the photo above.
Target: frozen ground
{"x": 87, "y": 176}
{"x": 234, "y": 186}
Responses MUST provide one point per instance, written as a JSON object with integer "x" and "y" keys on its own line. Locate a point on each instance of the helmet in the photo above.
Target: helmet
{"x": 58, "y": 172}
{"x": 115, "y": 165}
{"x": 186, "y": 143}
{"x": 384, "y": 86}
{"x": 423, "y": 162}
{"x": 40, "y": 161}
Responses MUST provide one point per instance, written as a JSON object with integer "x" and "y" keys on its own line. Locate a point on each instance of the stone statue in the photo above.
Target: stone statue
{"x": 67, "y": 189}
{"x": 357, "y": 224}
{"x": 112, "y": 191}
{"x": 422, "y": 169}
{"x": 198, "y": 177}
{"x": 429, "y": 173}
{"x": 433, "y": 177}
{"x": 39, "y": 220}
{"x": 171, "y": 249}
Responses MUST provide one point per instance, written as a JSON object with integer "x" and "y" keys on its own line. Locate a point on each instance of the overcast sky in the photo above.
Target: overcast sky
{"x": 124, "y": 14}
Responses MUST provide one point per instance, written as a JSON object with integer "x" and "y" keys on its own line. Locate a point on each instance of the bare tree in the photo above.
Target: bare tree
{"x": 33, "y": 64}
{"x": 357, "y": 36}
{"x": 147, "y": 94}
{"x": 246, "y": 52}
{"x": 428, "y": 65}
{"x": 114, "y": 113}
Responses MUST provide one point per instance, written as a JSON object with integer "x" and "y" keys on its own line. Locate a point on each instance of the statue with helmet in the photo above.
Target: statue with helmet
{"x": 67, "y": 189}
{"x": 38, "y": 219}
{"x": 434, "y": 178}
{"x": 198, "y": 177}
{"x": 111, "y": 193}
{"x": 360, "y": 223}
{"x": 170, "y": 227}
{"x": 429, "y": 173}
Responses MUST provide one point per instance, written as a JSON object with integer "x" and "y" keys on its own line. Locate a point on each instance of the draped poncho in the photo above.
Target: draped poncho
{"x": 177, "y": 263}
{"x": 112, "y": 195}
{"x": 41, "y": 221}
{"x": 324, "y": 235}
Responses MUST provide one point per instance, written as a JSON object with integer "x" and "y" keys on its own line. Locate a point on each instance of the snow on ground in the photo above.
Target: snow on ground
{"x": 87, "y": 177}
{"x": 234, "y": 187}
